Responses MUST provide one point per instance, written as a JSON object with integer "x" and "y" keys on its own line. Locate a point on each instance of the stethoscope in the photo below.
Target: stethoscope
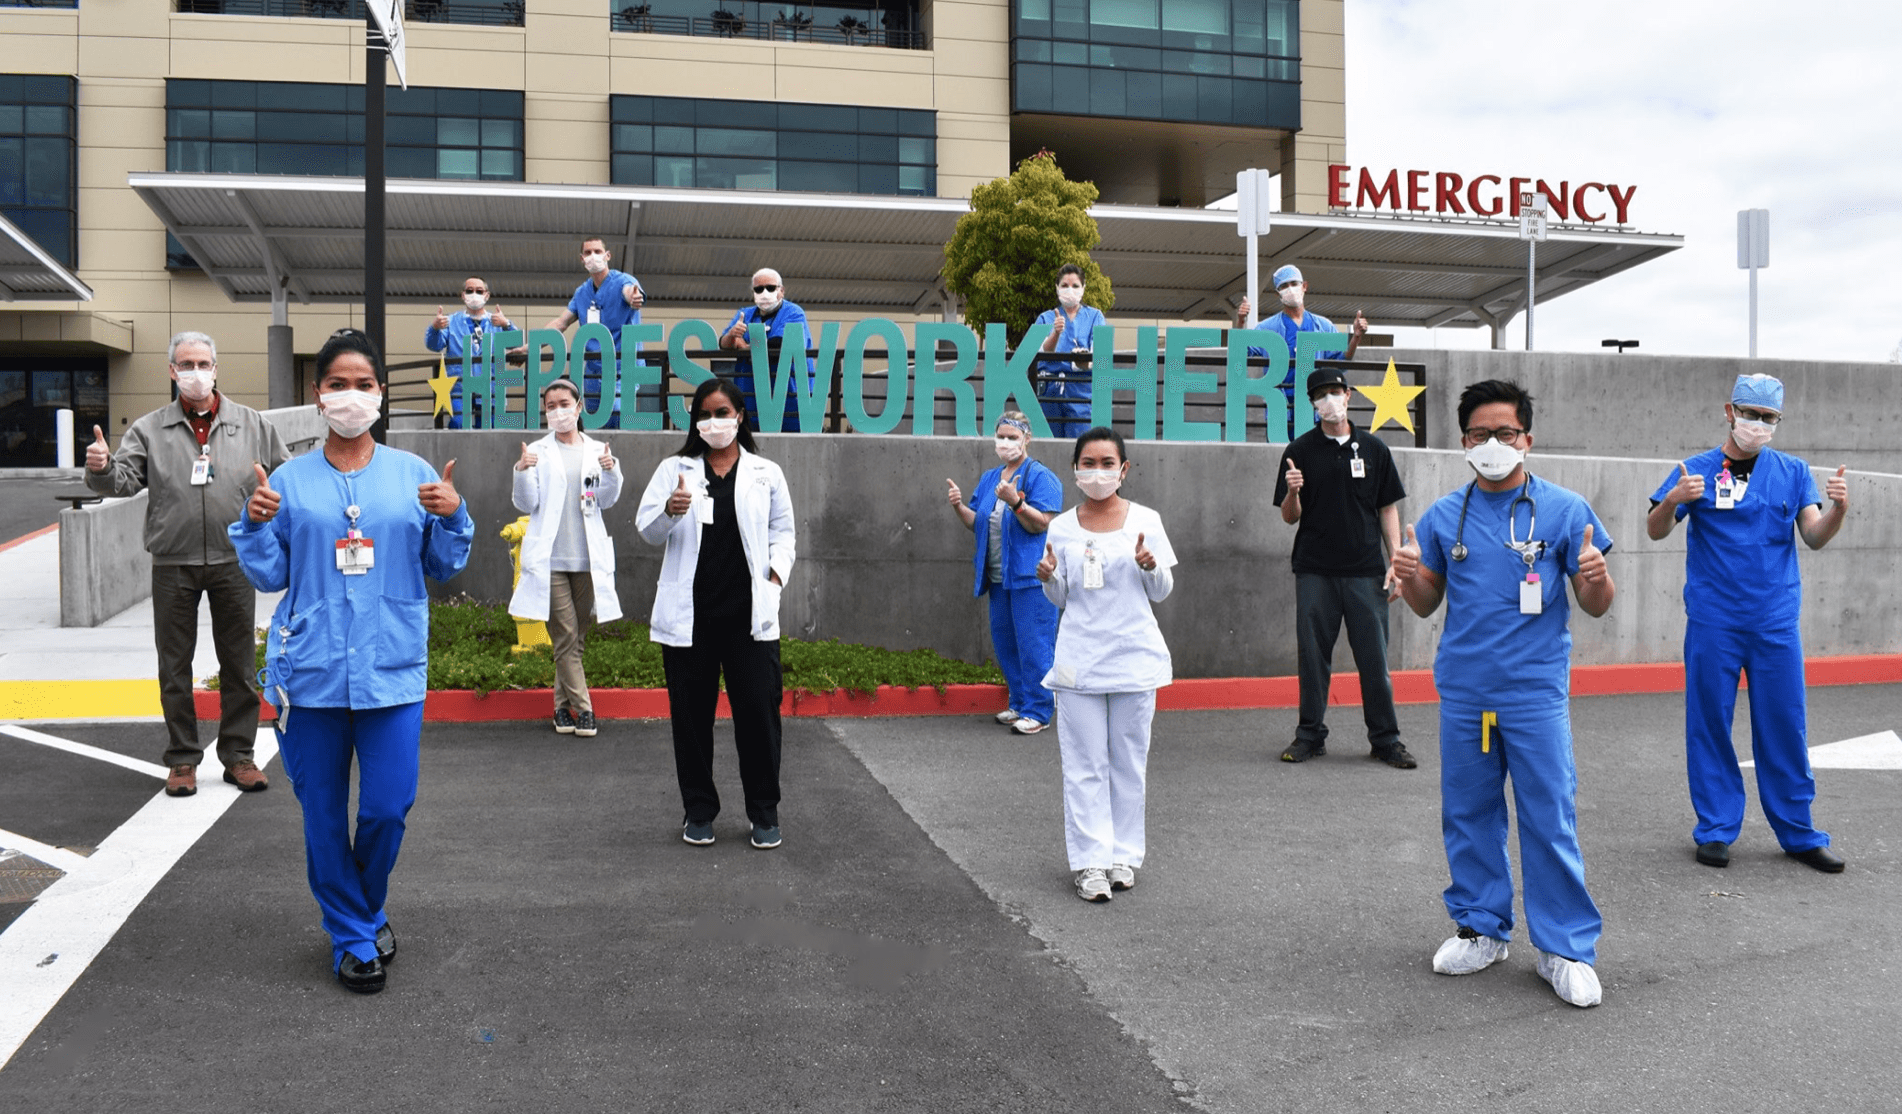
{"x": 1523, "y": 548}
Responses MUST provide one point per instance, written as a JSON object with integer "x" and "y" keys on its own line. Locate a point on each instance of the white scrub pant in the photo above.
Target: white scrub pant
{"x": 1104, "y": 739}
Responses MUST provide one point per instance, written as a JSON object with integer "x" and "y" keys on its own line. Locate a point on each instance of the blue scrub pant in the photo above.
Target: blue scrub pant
{"x": 1535, "y": 749}
{"x": 1024, "y": 637}
{"x": 1779, "y": 734}
{"x": 1068, "y": 416}
{"x": 351, "y": 877}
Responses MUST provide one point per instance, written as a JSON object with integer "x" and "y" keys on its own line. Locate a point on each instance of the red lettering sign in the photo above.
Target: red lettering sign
{"x": 1455, "y": 195}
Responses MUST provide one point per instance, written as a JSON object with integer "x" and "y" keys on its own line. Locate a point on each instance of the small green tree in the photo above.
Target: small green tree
{"x": 1004, "y": 256}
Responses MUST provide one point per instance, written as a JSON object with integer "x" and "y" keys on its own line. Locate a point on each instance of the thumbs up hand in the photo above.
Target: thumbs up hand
{"x": 1406, "y": 559}
{"x": 262, "y": 506}
{"x": 1145, "y": 560}
{"x": 440, "y": 498}
{"x": 681, "y": 500}
{"x": 607, "y": 459}
{"x": 496, "y": 319}
{"x": 98, "y": 454}
{"x": 441, "y": 321}
{"x": 1688, "y": 489}
{"x": 1837, "y": 488}
{"x": 1294, "y": 478}
{"x": 530, "y": 459}
{"x": 1047, "y": 567}
{"x": 1591, "y": 559}
{"x": 956, "y": 496}
{"x": 1007, "y": 493}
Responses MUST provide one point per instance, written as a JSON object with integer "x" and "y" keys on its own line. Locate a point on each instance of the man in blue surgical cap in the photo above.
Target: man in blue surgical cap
{"x": 1742, "y": 595}
{"x": 1293, "y": 320}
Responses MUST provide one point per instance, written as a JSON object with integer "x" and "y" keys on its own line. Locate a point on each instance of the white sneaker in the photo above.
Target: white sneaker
{"x": 1026, "y": 726}
{"x": 1467, "y": 953}
{"x": 1006, "y": 717}
{"x": 1573, "y": 981}
{"x": 1122, "y": 877}
{"x": 1092, "y": 884}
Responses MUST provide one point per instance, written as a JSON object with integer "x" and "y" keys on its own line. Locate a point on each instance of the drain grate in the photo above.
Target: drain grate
{"x": 24, "y": 878}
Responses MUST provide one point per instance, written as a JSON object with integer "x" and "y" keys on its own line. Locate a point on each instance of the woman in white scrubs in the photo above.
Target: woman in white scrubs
{"x": 1105, "y": 562}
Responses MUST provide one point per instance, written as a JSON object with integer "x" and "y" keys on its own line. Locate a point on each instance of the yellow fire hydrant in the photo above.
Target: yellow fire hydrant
{"x": 529, "y": 633}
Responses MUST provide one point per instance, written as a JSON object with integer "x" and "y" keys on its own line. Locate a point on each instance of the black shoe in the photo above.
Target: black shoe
{"x": 1395, "y": 756}
{"x": 564, "y": 722}
{"x": 360, "y": 977}
{"x": 385, "y": 943}
{"x": 1714, "y": 853}
{"x": 1303, "y": 749}
{"x": 1819, "y": 858}
{"x": 584, "y": 725}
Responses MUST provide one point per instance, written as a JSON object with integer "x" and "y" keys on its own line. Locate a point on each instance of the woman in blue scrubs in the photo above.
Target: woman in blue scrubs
{"x": 348, "y": 535}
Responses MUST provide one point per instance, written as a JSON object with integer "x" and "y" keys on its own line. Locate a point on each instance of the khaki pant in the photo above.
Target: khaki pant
{"x": 570, "y": 607}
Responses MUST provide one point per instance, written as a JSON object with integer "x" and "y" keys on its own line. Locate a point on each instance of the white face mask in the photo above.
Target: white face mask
{"x": 718, "y": 432}
{"x": 1330, "y": 408}
{"x": 595, "y": 262}
{"x": 1069, "y": 296}
{"x": 1494, "y": 461}
{"x": 196, "y": 385}
{"x": 1751, "y": 436}
{"x": 1292, "y": 295}
{"x": 766, "y": 300}
{"x": 1099, "y": 483}
{"x": 562, "y": 419}
{"x": 474, "y": 302}
{"x": 351, "y": 413}
{"x": 1009, "y": 449}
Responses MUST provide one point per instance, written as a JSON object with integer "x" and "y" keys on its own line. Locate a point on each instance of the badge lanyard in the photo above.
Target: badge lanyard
{"x": 1730, "y": 488}
{"x": 1356, "y": 467}
{"x": 356, "y": 554}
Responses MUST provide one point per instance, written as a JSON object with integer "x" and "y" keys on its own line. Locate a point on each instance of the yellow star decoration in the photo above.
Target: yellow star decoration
{"x": 1390, "y": 400}
{"x": 442, "y": 384}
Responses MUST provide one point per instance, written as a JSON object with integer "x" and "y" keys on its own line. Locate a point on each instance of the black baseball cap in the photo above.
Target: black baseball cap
{"x": 1323, "y": 378}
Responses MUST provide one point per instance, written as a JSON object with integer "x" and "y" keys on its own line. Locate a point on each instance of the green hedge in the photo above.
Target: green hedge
{"x": 470, "y": 647}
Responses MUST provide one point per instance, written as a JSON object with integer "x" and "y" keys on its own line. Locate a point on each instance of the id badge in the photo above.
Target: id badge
{"x": 355, "y": 556}
{"x": 1357, "y": 468}
{"x": 1531, "y": 597}
{"x": 588, "y": 506}
{"x": 1092, "y": 567}
{"x": 703, "y": 505}
{"x": 1726, "y": 498}
{"x": 594, "y": 315}
{"x": 201, "y": 471}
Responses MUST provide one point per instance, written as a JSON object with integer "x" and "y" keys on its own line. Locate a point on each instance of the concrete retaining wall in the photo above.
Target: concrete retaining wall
{"x": 883, "y": 561}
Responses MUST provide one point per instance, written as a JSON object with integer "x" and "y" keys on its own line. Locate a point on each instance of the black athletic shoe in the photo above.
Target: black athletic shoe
{"x": 1303, "y": 749}
{"x": 1397, "y": 757}
{"x": 359, "y": 977}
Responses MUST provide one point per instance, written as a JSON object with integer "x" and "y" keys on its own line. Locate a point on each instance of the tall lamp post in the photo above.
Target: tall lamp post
{"x": 1753, "y": 254}
{"x": 383, "y": 42}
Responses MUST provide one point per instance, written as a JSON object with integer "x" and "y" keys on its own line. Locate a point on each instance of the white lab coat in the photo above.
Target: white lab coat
{"x": 765, "y": 512}
{"x": 539, "y": 499}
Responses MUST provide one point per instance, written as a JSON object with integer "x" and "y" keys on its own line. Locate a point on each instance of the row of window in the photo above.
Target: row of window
{"x": 1242, "y": 102}
{"x": 38, "y": 160}
{"x": 763, "y": 145}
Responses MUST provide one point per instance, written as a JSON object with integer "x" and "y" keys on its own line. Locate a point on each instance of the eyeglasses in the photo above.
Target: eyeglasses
{"x": 473, "y": 290}
{"x": 765, "y": 288}
{"x": 1505, "y": 435}
{"x": 196, "y": 365}
{"x": 1752, "y": 414}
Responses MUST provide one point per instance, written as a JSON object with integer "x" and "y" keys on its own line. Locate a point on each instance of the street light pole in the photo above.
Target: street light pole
{"x": 376, "y": 56}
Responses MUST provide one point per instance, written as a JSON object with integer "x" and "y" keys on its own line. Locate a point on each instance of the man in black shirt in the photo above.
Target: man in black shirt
{"x": 1339, "y": 484}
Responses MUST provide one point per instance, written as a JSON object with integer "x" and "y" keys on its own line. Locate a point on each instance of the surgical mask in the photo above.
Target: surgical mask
{"x": 1330, "y": 408}
{"x": 1099, "y": 483}
{"x": 196, "y": 385}
{"x": 1494, "y": 461}
{"x": 1291, "y": 295}
{"x": 350, "y": 413}
{"x": 1008, "y": 449}
{"x": 1751, "y": 436}
{"x": 718, "y": 432}
{"x": 562, "y": 419}
{"x": 766, "y": 300}
{"x": 595, "y": 263}
{"x": 1069, "y": 296}
{"x": 475, "y": 302}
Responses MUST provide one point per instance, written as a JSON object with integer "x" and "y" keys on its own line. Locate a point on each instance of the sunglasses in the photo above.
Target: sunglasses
{"x": 765, "y": 288}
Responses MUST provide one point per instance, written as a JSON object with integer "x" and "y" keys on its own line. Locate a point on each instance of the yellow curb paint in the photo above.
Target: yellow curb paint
{"x": 55, "y": 700}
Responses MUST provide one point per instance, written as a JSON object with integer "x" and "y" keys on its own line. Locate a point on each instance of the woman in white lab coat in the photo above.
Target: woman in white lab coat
{"x": 726, "y": 519}
{"x": 563, "y": 482}
{"x": 1105, "y": 562}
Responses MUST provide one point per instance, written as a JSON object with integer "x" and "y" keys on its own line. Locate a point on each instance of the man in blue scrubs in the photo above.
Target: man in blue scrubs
{"x": 779, "y": 315}
{"x": 1498, "y": 552}
{"x": 1063, "y": 387}
{"x": 455, "y": 333}
{"x": 1742, "y": 597}
{"x": 612, "y": 298}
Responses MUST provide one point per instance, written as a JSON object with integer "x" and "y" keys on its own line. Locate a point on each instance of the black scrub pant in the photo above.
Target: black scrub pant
{"x": 1323, "y": 605}
{"x": 753, "y": 691}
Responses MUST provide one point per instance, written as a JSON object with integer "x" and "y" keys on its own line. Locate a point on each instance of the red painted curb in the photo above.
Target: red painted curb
{"x": 1414, "y": 686}
{"x": 25, "y": 538}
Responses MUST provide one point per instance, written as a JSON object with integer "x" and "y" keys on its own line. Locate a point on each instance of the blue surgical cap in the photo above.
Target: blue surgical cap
{"x": 1286, "y": 275}
{"x": 1762, "y": 391}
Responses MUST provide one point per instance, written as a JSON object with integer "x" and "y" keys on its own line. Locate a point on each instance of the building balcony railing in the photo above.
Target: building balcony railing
{"x": 857, "y": 27}
{"x": 487, "y": 13}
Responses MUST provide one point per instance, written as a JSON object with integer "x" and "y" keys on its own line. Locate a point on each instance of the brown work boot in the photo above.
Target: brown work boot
{"x": 182, "y": 781}
{"x": 245, "y": 774}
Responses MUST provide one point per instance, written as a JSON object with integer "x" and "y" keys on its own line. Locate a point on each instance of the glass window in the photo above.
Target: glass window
{"x": 458, "y": 164}
{"x": 914, "y": 181}
{"x": 878, "y": 149}
{"x": 1200, "y": 17}
{"x": 38, "y": 191}
{"x": 819, "y": 177}
{"x": 674, "y": 140}
{"x": 673, "y": 170}
{"x": 914, "y": 150}
{"x": 454, "y": 131}
{"x": 733, "y": 141}
{"x": 633, "y": 170}
{"x": 1139, "y": 14}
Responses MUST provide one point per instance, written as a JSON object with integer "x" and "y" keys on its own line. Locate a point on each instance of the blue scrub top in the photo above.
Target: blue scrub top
{"x": 787, "y": 315}
{"x": 353, "y": 641}
{"x": 1071, "y": 335}
{"x": 1491, "y": 657}
{"x": 615, "y": 311}
{"x": 1022, "y": 549}
{"x": 1740, "y": 569}
{"x": 1284, "y": 326}
{"x": 455, "y": 338}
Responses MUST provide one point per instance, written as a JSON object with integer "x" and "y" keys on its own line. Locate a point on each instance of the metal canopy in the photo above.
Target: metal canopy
{"x": 695, "y": 249}
{"x": 28, "y": 274}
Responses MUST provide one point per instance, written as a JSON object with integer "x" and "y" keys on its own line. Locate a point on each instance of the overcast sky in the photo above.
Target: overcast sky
{"x": 1708, "y": 108}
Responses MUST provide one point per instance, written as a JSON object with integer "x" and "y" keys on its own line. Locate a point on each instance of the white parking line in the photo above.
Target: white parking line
{"x": 89, "y": 751}
{"x": 49, "y": 946}
{"x": 65, "y": 860}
